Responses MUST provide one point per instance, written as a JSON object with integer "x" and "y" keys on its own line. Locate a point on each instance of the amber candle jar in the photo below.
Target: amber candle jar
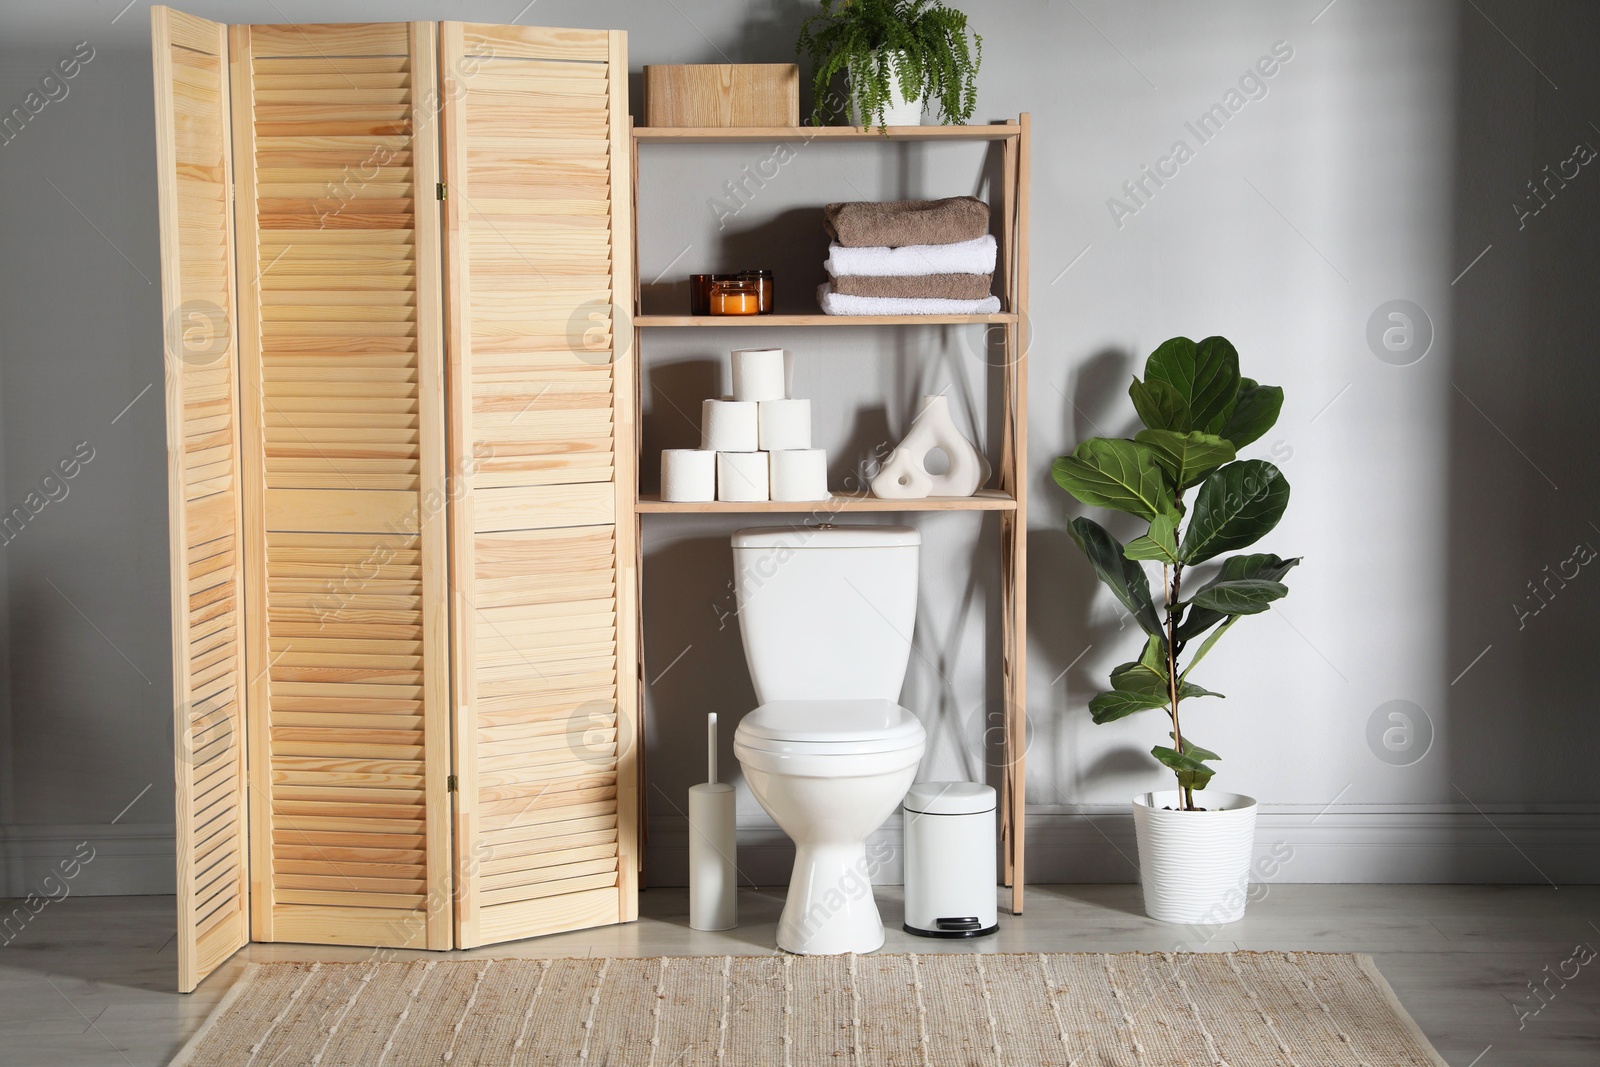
{"x": 700, "y": 291}
{"x": 735, "y": 296}
{"x": 763, "y": 282}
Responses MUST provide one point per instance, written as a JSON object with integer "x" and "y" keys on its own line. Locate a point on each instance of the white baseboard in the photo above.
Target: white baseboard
{"x": 1351, "y": 843}
{"x": 1354, "y": 843}
{"x": 128, "y": 859}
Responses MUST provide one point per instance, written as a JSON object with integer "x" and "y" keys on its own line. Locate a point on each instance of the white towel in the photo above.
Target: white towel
{"x": 837, "y": 304}
{"x": 963, "y": 257}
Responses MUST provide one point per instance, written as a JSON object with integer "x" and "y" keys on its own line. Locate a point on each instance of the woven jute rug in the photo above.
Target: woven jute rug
{"x": 1244, "y": 1009}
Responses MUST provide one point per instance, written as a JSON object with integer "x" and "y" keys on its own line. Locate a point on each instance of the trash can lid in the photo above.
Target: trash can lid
{"x": 950, "y": 798}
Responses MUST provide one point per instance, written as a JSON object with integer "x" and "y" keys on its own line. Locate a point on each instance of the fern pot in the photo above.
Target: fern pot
{"x": 898, "y": 111}
{"x": 1195, "y": 865}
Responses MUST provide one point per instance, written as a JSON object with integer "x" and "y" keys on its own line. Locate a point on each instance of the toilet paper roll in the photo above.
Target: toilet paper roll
{"x": 760, "y": 374}
{"x": 728, "y": 426}
{"x": 741, "y": 476}
{"x": 799, "y": 474}
{"x": 782, "y": 424}
{"x": 688, "y": 474}
{"x": 713, "y": 884}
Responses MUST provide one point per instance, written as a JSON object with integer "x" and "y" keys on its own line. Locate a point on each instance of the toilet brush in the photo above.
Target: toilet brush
{"x": 713, "y": 884}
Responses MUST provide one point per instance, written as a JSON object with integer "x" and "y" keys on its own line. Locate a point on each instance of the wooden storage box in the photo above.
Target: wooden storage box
{"x": 722, "y": 94}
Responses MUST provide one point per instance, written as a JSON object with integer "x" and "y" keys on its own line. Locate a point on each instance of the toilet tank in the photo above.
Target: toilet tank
{"x": 826, "y": 612}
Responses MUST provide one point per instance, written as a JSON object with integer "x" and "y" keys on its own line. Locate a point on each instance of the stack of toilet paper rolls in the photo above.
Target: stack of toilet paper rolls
{"x": 754, "y": 446}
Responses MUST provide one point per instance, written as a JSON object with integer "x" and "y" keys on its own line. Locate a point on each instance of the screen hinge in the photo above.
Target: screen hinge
{"x": 450, "y": 784}
{"x": 440, "y": 190}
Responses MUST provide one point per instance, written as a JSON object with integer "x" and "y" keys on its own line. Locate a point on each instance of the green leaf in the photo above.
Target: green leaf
{"x": 1236, "y": 506}
{"x": 1192, "y": 774}
{"x": 1187, "y": 458}
{"x": 1192, "y": 749}
{"x": 1254, "y": 412}
{"x": 1148, "y": 677}
{"x": 1205, "y": 375}
{"x": 1160, "y": 406}
{"x": 1141, "y": 679}
{"x": 1154, "y": 655}
{"x": 1242, "y": 596}
{"x": 1259, "y": 565}
{"x": 1109, "y": 707}
{"x": 1117, "y": 474}
{"x": 1204, "y": 648}
{"x": 1122, "y": 576}
{"x": 1160, "y": 544}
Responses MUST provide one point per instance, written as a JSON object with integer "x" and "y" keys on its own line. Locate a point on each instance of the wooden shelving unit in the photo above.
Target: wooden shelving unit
{"x": 1009, "y": 500}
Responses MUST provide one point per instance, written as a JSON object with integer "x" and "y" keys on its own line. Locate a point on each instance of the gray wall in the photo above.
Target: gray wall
{"x": 1384, "y": 160}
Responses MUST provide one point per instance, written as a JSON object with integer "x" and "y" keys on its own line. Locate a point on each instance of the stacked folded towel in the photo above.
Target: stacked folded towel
{"x": 863, "y": 224}
{"x": 909, "y": 257}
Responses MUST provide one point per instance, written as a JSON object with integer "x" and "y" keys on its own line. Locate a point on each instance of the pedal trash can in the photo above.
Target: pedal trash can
{"x": 950, "y": 860}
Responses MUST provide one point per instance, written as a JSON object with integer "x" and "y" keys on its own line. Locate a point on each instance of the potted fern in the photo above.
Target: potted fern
{"x": 1198, "y": 412}
{"x": 899, "y": 58}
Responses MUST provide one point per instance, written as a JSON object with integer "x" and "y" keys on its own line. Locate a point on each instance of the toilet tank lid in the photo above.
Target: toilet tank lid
{"x": 950, "y": 798}
{"x": 826, "y": 536}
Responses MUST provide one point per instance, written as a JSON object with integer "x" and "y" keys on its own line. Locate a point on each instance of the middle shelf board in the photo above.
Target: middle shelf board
{"x": 982, "y": 500}
{"x": 820, "y": 320}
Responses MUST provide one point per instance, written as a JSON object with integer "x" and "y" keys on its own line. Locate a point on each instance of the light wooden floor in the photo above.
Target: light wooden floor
{"x": 87, "y": 981}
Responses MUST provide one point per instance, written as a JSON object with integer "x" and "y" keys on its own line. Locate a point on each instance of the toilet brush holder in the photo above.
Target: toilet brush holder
{"x": 713, "y": 879}
{"x": 713, "y": 844}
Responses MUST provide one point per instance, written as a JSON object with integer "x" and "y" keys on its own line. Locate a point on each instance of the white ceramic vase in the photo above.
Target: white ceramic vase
{"x": 905, "y": 474}
{"x": 1195, "y": 865}
{"x": 898, "y": 111}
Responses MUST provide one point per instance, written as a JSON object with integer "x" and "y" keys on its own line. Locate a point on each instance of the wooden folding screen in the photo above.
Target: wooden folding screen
{"x": 537, "y": 209}
{"x": 326, "y": 486}
{"x": 336, "y": 145}
{"x": 203, "y": 476}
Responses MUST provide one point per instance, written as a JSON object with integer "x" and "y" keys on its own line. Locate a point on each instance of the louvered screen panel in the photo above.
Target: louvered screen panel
{"x": 201, "y": 368}
{"x": 351, "y": 719}
{"x": 542, "y": 439}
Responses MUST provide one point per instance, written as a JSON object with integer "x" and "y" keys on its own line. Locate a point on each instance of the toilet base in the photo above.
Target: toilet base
{"x": 830, "y": 909}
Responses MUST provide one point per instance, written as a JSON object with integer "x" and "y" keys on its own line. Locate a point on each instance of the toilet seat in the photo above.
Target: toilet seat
{"x": 830, "y": 728}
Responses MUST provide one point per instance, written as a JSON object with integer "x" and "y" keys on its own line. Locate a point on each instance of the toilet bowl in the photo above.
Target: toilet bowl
{"x": 829, "y": 773}
{"x": 826, "y": 615}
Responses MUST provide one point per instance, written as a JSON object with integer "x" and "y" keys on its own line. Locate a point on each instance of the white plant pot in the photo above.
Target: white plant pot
{"x": 899, "y": 111}
{"x": 1195, "y": 865}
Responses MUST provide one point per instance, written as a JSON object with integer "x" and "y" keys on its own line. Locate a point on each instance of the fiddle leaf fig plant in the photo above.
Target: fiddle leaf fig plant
{"x": 920, "y": 46}
{"x": 1198, "y": 412}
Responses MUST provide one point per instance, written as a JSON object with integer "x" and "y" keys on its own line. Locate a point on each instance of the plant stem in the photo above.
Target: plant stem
{"x": 1185, "y": 793}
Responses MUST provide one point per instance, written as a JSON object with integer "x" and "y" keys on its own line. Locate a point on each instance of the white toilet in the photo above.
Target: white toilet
{"x": 826, "y": 614}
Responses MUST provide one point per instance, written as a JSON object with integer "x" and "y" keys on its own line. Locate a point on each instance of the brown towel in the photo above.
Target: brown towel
{"x": 926, "y": 286}
{"x": 863, "y": 224}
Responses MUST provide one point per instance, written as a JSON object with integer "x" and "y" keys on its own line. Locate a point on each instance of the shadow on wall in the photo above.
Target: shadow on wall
{"x": 672, "y": 419}
{"x": 87, "y": 667}
{"x": 694, "y": 639}
{"x": 1524, "y": 532}
{"x": 853, "y": 467}
{"x": 791, "y": 244}
{"x": 1097, "y": 405}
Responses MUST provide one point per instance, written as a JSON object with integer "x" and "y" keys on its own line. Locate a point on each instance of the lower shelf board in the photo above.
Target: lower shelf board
{"x": 982, "y": 500}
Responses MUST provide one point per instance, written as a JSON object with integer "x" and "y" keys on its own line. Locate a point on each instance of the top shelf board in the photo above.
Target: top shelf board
{"x": 819, "y": 320}
{"x": 746, "y": 134}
